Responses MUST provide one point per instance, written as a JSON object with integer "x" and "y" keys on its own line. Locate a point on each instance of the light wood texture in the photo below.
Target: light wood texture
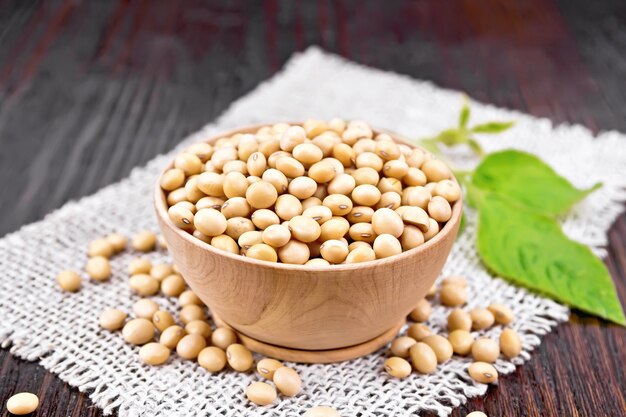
{"x": 303, "y": 307}
{"x": 316, "y": 356}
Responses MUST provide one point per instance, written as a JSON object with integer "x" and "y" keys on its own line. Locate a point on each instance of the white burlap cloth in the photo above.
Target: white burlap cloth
{"x": 60, "y": 330}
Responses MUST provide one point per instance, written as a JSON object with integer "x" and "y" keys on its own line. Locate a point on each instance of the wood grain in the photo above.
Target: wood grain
{"x": 90, "y": 89}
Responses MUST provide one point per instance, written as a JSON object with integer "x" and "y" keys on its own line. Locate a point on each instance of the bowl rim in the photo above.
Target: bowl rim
{"x": 161, "y": 211}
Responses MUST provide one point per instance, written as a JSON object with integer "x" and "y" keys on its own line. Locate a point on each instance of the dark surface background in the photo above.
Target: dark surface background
{"x": 90, "y": 89}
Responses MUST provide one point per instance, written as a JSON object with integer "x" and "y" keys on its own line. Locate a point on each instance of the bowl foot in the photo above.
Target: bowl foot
{"x": 315, "y": 356}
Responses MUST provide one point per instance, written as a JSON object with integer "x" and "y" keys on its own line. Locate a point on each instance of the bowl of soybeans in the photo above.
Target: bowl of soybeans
{"x": 310, "y": 236}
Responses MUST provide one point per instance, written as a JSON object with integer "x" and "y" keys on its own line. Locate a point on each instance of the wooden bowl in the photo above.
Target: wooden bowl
{"x": 304, "y": 308}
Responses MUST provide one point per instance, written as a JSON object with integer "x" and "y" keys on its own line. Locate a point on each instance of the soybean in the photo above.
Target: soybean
{"x": 501, "y": 313}
{"x": 261, "y": 393}
{"x": 321, "y": 411}
{"x": 452, "y": 295}
{"x": 423, "y": 358}
{"x": 145, "y": 308}
{"x": 418, "y": 331}
{"x": 510, "y": 343}
{"x": 482, "y": 318}
{"x": 401, "y": 346}
{"x": 22, "y": 403}
{"x": 138, "y": 331}
{"x": 154, "y": 354}
{"x": 422, "y": 311}
{"x": 239, "y": 357}
{"x": 398, "y": 367}
{"x": 69, "y": 281}
{"x": 485, "y": 350}
{"x": 112, "y": 319}
{"x": 266, "y": 367}
{"x": 287, "y": 381}
{"x": 190, "y": 345}
{"x": 461, "y": 341}
{"x": 98, "y": 268}
{"x": 483, "y": 372}
{"x": 171, "y": 336}
{"x": 223, "y": 337}
{"x": 144, "y": 241}
{"x": 212, "y": 358}
{"x": 440, "y": 345}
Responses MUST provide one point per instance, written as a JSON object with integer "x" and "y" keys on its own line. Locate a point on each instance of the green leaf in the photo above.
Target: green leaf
{"x": 527, "y": 179}
{"x": 465, "y": 114}
{"x": 452, "y": 137}
{"x": 475, "y": 146}
{"x": 492, "y": 127}
{"x": 530, "y": 249}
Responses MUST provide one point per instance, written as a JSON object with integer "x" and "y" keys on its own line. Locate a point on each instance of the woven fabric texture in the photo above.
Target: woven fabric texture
{"x": 61, "y": 330}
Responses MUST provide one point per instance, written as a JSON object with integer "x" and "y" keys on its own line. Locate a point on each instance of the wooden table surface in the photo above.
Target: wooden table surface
{"x": 89, "y": 90}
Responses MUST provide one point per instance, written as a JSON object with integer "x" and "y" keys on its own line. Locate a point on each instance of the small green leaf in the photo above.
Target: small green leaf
{"x": 452, "y": 137}
{"x": 527, "y": 179}
{"x": 530, "y": 249}
{"x": 465, "y": 114}
{"x": 475, "y": 146}
{"x": 492, "y": 127}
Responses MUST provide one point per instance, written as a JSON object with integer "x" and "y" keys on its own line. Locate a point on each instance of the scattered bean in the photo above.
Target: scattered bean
{"x": 200, "y": 327}
{"x": 485, "y": 350}
{"x": 223, "y": 337}
{"x": 401, "y": 346}
{"x": 145, "y": 308}
{"x": 239, "y": 357}
{"x": 154, "y": 353}
{"x": 287, "y": 381}
{"x": 98, "y": 268}
{"x": 440, "y": 345}
{"x": 138, "y": 331}
{"x": 144, "y": 284}
{"x": 144, "y": 241}
{"x": 266, "y": 367}
{"x": 502, "y": 314}
{"x": 139, "y": 266}
{"x": 483, "y": 372}
{"x": 452, "y": 295}
{"x": 459, "y": 320}
{"x": 481, "y": 318}
{"x": 397, "y": 367}
{"x": 418, "y": 331}
{"x": 261, "y": 393}
{"x": 422, "y": 311}
{"x": 190, "y": 345}
{"x": 321, "y": 411}
{"x": 173, "y": 285}
{"x": 190, "y": 313}
{"x": 22, "y": 403}
{"x": 461, "y": 341}
{"x": 171, "y": 336}
{"x": 162, "y": 320}
{"x": 423, "y": 358}
{"x": 212, "y": 358}
{"x": 510, "y": 343}
{"x": 100, "y": 247}
{"x": 69, "y": 281}
{"x": 188, "y": 298}
{"x": 112, "y": 319}
{"x": 455, "y": 280}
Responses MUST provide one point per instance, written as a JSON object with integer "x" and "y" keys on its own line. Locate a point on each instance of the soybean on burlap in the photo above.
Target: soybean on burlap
{"x": 61, "y": 331}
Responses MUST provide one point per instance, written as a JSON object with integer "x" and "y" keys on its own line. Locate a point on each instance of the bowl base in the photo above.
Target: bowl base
{"x": 315, "y": 356}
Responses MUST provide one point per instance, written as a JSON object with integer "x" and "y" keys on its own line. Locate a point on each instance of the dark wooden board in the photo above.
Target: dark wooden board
{"x": 90, "y": 89}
